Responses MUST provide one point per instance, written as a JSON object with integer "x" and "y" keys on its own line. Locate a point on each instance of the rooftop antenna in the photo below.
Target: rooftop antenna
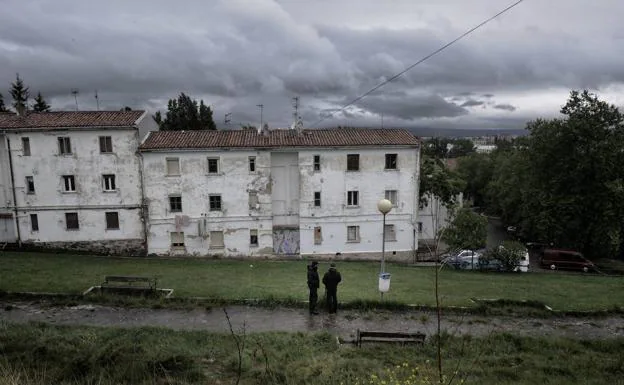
{"x": 97, "y": 101}
{"x": 296, "y": 110}
{"x": 228, "y": 118}
{"x": 382, "y": 120}
{"x": 74, "y": 92}
{"x": 261, "y": 106}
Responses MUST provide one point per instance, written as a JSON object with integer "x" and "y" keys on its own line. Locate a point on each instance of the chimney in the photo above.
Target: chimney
{"x": 21, "y": 110}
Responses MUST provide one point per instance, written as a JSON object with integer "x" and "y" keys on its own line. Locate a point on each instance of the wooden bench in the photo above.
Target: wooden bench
{"x": 129, "y": 282}
{"x": 374, "y": 336}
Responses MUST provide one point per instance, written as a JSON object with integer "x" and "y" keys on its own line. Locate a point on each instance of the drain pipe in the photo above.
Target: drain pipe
{"x": 19, "y": 238}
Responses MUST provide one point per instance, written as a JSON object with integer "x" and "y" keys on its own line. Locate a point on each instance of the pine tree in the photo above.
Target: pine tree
{"x": 184, "y": 113}
{"x": 2, "y": 107}
{"x": 40, "y": 104}
{"x": 19, "y": 92}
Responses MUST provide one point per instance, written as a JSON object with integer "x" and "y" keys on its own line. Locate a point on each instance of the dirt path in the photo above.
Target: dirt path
{"x": 344, "y": 324}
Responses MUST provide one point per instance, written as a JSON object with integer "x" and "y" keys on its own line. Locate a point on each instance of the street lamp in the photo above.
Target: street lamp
{"x": 384, "y": 206}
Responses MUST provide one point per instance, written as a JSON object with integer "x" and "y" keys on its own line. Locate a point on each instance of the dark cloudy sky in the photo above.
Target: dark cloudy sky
{"x": 236, "y": 54}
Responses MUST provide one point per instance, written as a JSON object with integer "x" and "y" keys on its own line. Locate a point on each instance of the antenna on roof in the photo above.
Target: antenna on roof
{"x": 228, "y": 118}
{"x": 296, "y": 110}
{"x": 74, "y": 91}
{"x": 261, "y": 106}
{"x": 97, "y": 101}
{"x": 382, "y": 120}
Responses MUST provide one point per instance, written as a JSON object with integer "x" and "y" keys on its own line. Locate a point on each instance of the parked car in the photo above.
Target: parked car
{"x": 565, "y": 259}
{"x": 463, "y": 259}
{"x": 497, "y": 265}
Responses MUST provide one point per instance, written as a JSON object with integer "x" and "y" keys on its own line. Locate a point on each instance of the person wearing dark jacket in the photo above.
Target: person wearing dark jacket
{"x": 313, "y": 285}
{"x": 331, "y": 279}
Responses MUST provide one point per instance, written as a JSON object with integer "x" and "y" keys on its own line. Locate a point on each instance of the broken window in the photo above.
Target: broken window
{"x": 69, "y": 183}
{"x": 216, "y": 240}
{"x": 252, "y": 164}
{"x": 112, "y": 220}
{"x": 34, "y": 222}
{"x": 64, "y": 145}
{"x": 253, "y": 237}
{"x": 353, "y": 162}
{"x": 318, "y": 236}
{"x": 173, "y": 166}
{"x": 213, "y": 165}
{"x": 391, "y": 161}
{"x": 317, "y": 163}
{"x": 106, "y": 144}
{"x": 253, "y": 200}
{"x": 71, "y": 221}
{"x": 30, "y": 185}
{"x": 26, "y": 146}
{"x": 352, "y": 198}
{"x": 108, "y": 182}
{"x": 390, "y": 234}
{"x": 317, "y": 199}
{"x": 177, "y": 239}
{"x": 215, "y": 202}
{"x": 175, "y": 203}
{"x": 353, "y": 233}
{"x": 391, "y": 195}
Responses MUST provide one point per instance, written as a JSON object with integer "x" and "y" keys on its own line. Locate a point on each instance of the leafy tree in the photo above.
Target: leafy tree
{"x": 467, "y": 231}
{"x": 477, "y": 170}
{"x": 509, "y": 254}
{"x": 126, "y": 109}
{"x": 20, "y": 93}
{"x": 436, "y": 147}
{"x": 40, "y": 104}
{"x": 185, "y": 113}
{"x": 461, "y": 147}
{"x": 2, "y": 106}
{"x": 437, "y": 180}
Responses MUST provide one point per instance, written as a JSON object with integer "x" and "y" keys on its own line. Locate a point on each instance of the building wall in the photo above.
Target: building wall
{"x": 50, "y": 202}
{"x": 7, "y": 219}
{"x": 233, "y": 183}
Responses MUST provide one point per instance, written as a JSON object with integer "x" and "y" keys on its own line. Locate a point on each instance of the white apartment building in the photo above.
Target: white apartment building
{"x": 71, "y": 180}
{"x": 281, "y": 192}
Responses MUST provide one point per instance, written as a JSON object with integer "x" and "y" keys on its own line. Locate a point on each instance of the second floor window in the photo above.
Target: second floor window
{"x": 317, "y": 163}
{"x": 26, "y": 146}
{"x": 391, "y": 161}
{"x": 108, "y": 182}
{"x": 213, "y": 165}
{"x": 173, "y": 166}
{"x": 353, "y": 162}
{"x": 30, "y": 185}
{"x": 64, "y": 144}
{"x": 106, "y": 144}
{"x": 352, "y": 198}
{"x": 252, "y": 164}
{"x": 215, "y": 202}
{"x": 317, "y": 199}
{"x": 69, "y": 183}
{"x": 391, "y": 195}
{"x": 175, "y": 203}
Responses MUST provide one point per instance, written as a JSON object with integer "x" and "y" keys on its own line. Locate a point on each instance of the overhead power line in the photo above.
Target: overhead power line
{"x": 419, "y": 62}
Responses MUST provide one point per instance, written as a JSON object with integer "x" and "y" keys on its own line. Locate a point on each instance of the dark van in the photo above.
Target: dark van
{"x": 565, "y": 259}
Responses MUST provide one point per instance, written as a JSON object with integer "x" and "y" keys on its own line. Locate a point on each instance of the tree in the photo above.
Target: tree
{"x": 461, "y": 147}
{"x": 126, "y": 109}
{"x": 40, "y": 104}
{"x": 477, "y": 170}
{"x": 436, "y": 147}
{"x": 467, "y": 231}
{"x": 508, "y": 254}
{"x": 20, "y": 93}
{"x": 184, "y": 113}
{"x": 437, "y": 180}
{"x": 2, "y": 106}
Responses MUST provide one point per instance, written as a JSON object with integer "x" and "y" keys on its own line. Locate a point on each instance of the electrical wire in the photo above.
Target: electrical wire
{"x": 419, "y": 62}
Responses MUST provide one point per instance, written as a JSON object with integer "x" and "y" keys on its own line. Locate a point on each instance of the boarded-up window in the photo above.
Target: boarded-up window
{"x": 353, "y": 162}
{"x": 392, "y": 196}
{"x": 112, "y": 220}
{"x": 177, "y": 239}
{"x": 353, "y": 233}
{"x": 173, "y": 166}
{"x": 216, "y": 240}
{"x": 253, "y": 200}
{"x": 253, "y": 237}
{"x": 34, "y": 222}
{"x": 318, "y": 235}
{"x": 390, "y": 233}
{"x": 26, "y": 146}
{"x": 71, "y": 221}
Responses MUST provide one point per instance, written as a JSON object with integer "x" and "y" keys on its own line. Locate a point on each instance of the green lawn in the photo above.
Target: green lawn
{"x": 287, "y": 280}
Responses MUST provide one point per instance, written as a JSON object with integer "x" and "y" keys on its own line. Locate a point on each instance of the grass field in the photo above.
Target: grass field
{"x": 286, "y": 280}
{"x": 38, "y": 354}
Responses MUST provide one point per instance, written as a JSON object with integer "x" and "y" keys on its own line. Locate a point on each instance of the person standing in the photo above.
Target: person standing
{"x": 331, "y": 279}
{"x": 313, "y": 285}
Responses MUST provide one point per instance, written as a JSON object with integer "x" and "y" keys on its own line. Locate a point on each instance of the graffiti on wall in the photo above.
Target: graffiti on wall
{"x": 286, "y": 241}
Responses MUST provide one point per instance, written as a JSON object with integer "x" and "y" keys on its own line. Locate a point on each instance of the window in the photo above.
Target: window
{"x": 71, "y": 221}
{"x": 108, "y": 181}
{"x": 64, "y": 145}
{"x": 112, "y": 220}
{"x": 215, "y": 202}
{"x": 216, "y": 240}
{"x": 106, "y": 144}
{"x": 352, "y": 198}
{"x": 175, "y": 203}
{"x": 30, "y": 185}
{"x": 26, "y": 146}
{"x": 252, "y": 164}
{"x": 390, "y": 234}
{"x": 353, "y": 162}
{"x": 420, "y": 227}
{"x": 391, "y": 195}
{"x": 177, "y": 239}
{"x": 318, "y": 235}
{"x": 353, "y": 233}
{"x": 213, "y": 165}
{"x": 391, "y": 161}
{"x": 69, "y": 183}
{"x": 253, "y": 200}
{"x": 317, "y": 163}
{"x": 317, "y": 199}
{"x": 173, "y": 166}
{"x": 253, "y": 237}
{"x": 34, "y": 222}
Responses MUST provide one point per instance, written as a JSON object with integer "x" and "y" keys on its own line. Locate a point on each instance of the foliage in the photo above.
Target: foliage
{"x": 406, "y": 374}
{"x": 477, "y": 170}
{"x": 40, "y": 104}
{"x": 20, "y": 93}
{"x": 439, "y": 181}
{"x": 467, "y": 231}
{"x": 185, "y": 113}
{"x": 127, "y": 109}
{"x": 508, "y": 253}
{"x": 2, "y": 106}
{"x": 436, "y": 147}
{"x": 461, "y": 147}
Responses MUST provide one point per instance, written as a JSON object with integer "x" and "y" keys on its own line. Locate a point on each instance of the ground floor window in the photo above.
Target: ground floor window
{"x": 34, "y": 222}
{"x": 177, "y": 239}
{"x": 112, "y": 221}
{"x": 318, "y": 235}
{"x": 353, "y": 233}
{"x": 253, "y": 237}
{"x": 71, "y": 221}
{"x": 216, "y": 240}
{"x": 390, "y": 233}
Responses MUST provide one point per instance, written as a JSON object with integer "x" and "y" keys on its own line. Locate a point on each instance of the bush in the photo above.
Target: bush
{"x": 508, "y": 254}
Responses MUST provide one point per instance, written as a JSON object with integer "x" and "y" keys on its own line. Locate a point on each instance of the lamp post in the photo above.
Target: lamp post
{"x": 384, "y": 206}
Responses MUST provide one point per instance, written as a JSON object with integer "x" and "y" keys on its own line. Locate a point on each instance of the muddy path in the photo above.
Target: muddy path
{"x": 343, "y": 324}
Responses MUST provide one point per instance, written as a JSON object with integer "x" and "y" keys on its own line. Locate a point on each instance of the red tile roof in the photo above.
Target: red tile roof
{"x": 62, "y": 119}
{"x": 160, "y": 140}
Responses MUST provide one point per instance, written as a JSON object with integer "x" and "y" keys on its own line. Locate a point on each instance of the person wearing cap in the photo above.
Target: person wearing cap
{"x": 331, "y": 279}
{"x": 313, "y": 285}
